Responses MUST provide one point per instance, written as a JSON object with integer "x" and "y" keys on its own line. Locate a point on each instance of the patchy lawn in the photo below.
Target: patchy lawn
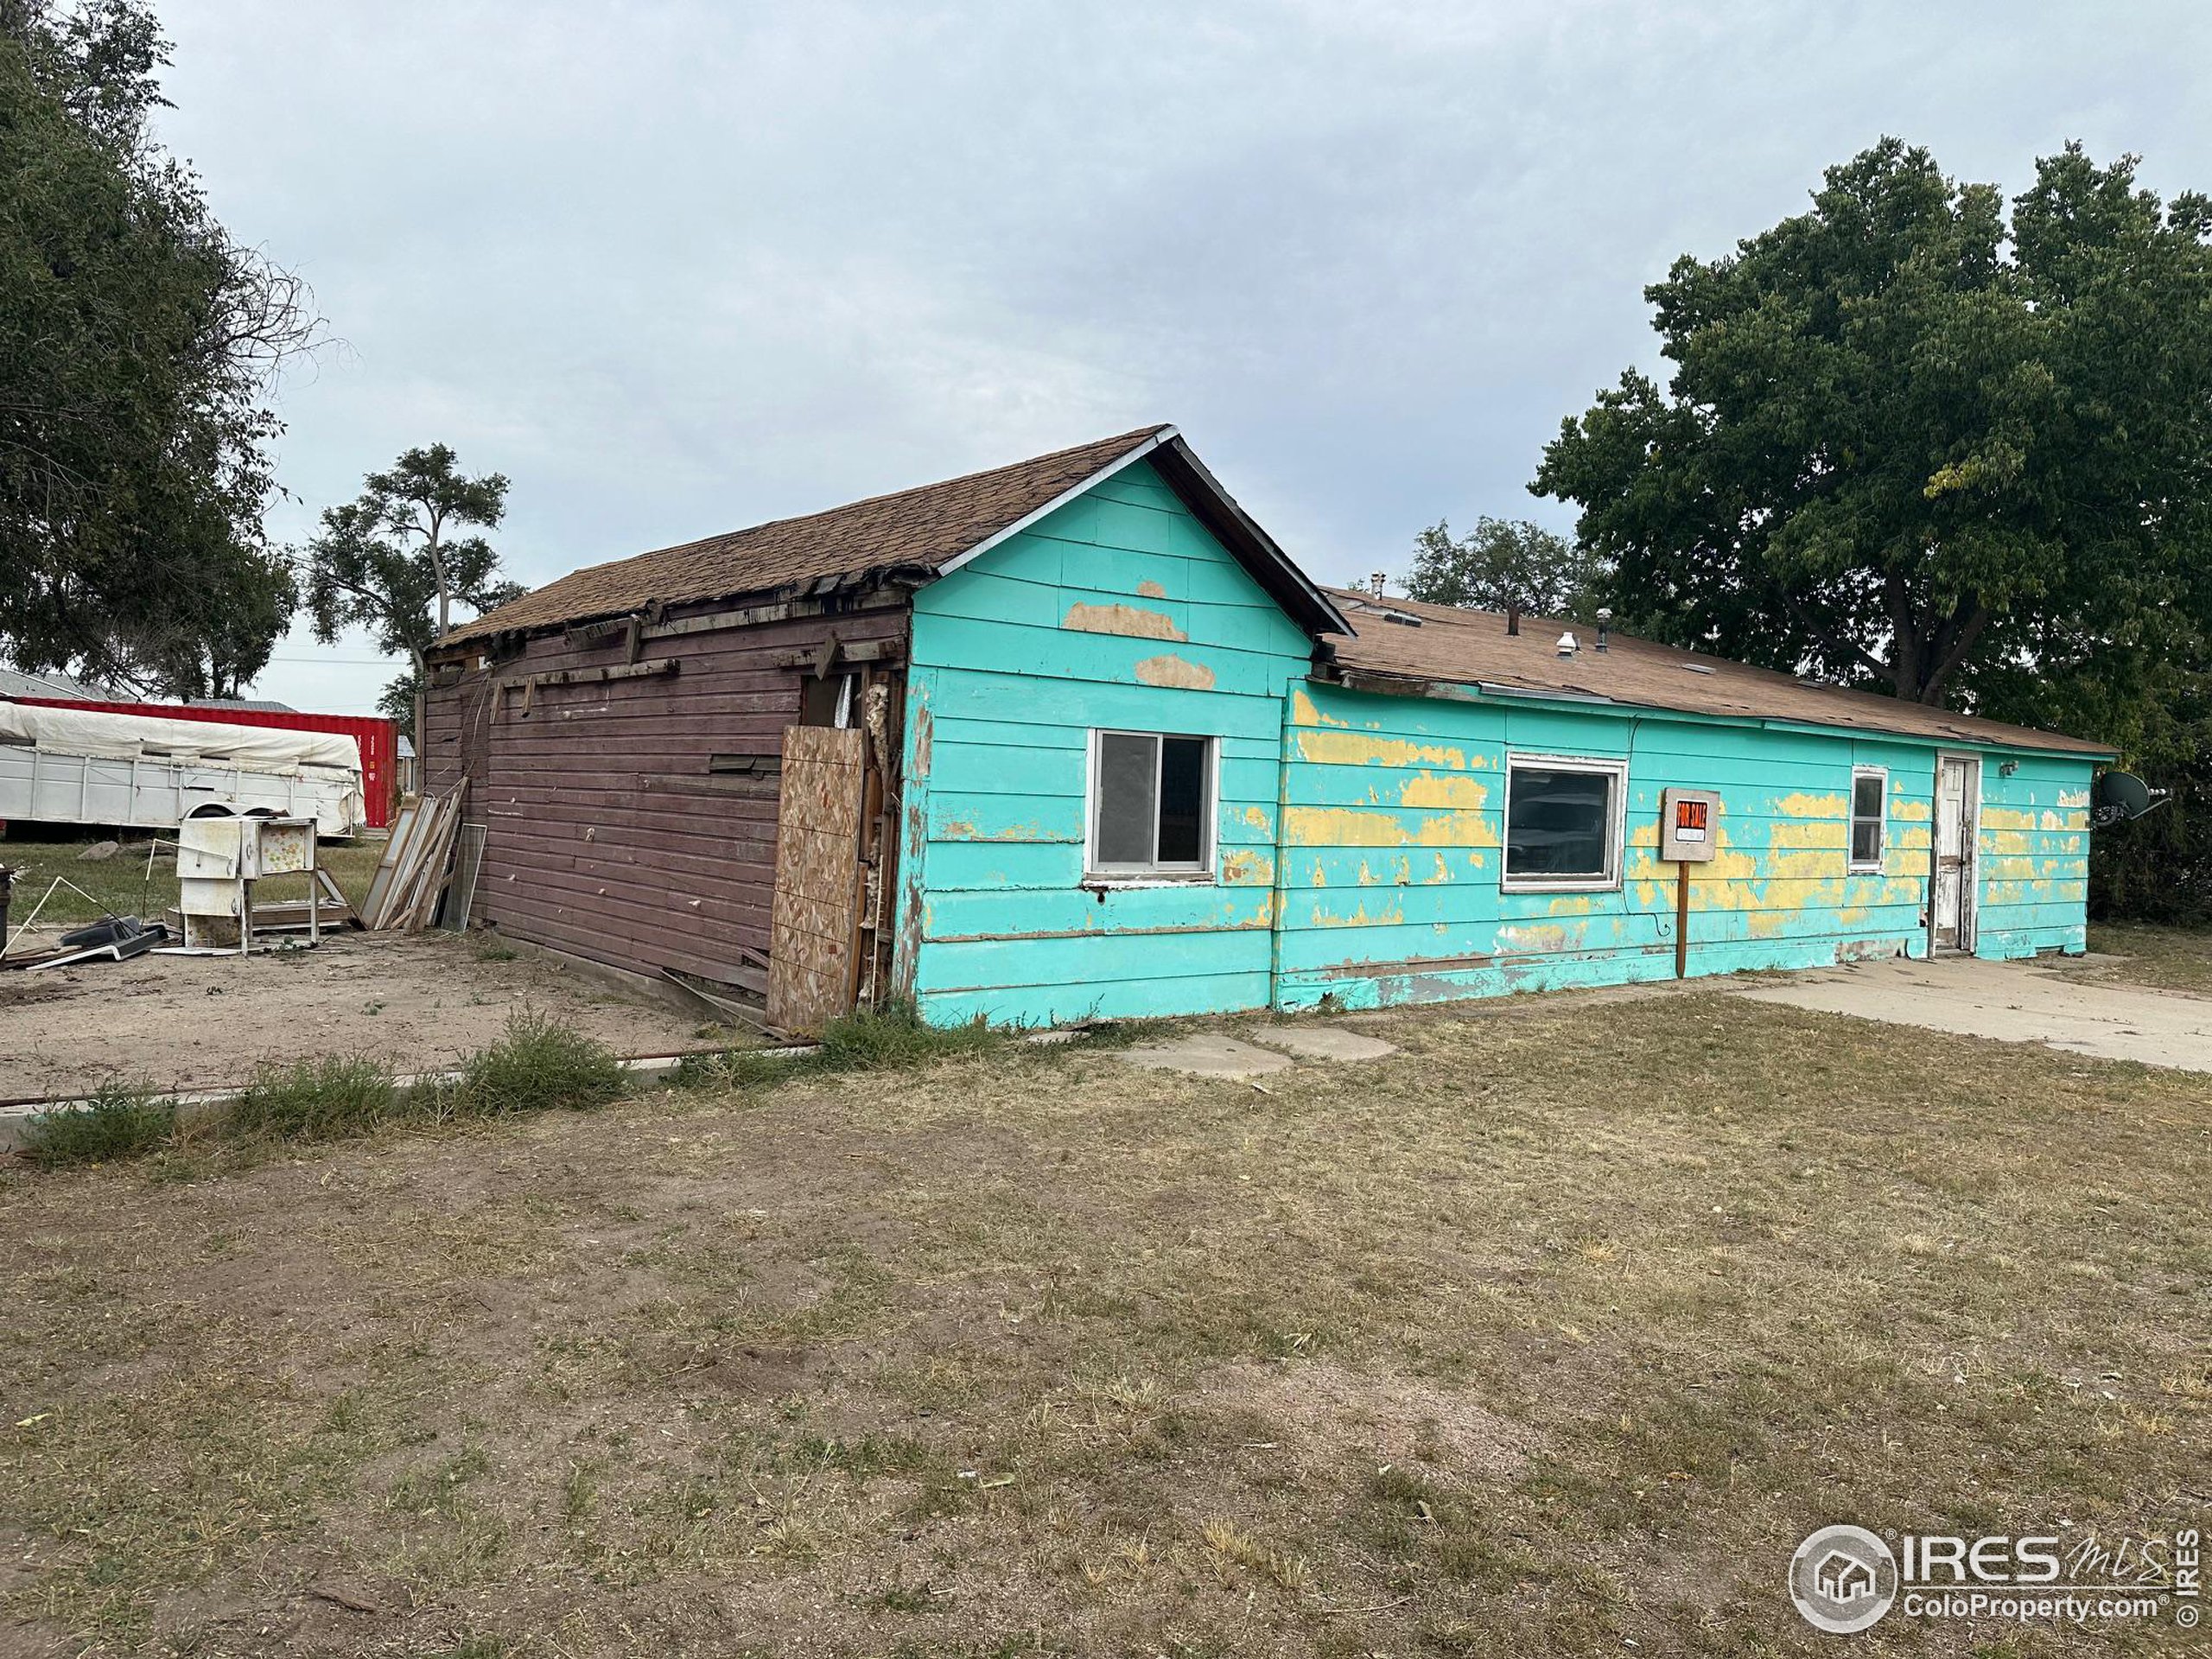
{"x": 121, "y": 885}
{"x": 1553, "y": 1334}
{"x": 2172, "y": 958}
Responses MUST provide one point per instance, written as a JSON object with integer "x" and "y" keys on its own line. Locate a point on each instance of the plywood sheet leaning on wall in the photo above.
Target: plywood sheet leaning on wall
{"x": 816, "y": 912}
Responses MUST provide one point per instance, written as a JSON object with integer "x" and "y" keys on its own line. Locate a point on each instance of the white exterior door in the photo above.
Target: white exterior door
{"x": 1958, "y": 801}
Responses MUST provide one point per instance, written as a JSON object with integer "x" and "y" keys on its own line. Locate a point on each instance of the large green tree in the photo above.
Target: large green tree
{"x": 1503, "y": 564}
{"x": 1918, "y": 443}
{"x": 1912, "y": 443}
{"x": 139, "y": 346}
{"x": 395, "y": 562}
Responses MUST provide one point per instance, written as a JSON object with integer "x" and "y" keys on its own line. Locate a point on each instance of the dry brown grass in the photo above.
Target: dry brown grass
{"x": 2170, "y": 958}
{"x": 124, "y": 883}
{"x": 1555, "y": 1333}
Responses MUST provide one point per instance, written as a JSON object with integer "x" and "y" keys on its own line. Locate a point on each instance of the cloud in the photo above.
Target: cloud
{"x": 679, "y": 267}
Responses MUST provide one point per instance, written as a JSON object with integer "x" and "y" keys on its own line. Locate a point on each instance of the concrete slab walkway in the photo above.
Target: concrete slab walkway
{"x": 2013, "y": 1002}
{"x": 1204, "y": 1054}
{"x": 1208, "y": 1054}
{"x": 1323, "y": 1043}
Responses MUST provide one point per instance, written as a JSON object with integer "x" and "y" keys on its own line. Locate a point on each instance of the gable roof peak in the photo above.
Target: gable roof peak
{"x": 923, "y": 532}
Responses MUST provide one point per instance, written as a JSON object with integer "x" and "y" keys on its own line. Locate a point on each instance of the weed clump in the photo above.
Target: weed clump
{"x": 540, "y": 1065}
{"x": 119, "y": 1119}
{"x": 889, "y": 1039}
{"x": 896, "y": 1036}
{"x": 318, "y": 1099}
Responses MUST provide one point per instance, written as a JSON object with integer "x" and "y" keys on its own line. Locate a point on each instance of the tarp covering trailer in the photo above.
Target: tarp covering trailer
{"x": 66, "y": 766}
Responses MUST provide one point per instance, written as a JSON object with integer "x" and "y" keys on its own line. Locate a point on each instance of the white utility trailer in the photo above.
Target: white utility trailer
{"x": 63, "y": 766}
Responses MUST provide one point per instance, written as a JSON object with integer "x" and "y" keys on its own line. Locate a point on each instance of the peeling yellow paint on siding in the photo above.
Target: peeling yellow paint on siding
{"x": 1303, "y": 711}
{"x": 1912, "y": 812}
{"x": 1802, "y": 805}
{"x": 1175, "y": 671}
{"x": 1824, "y": 836}
{"x": 1324, "y": 917}
{"x": 1243, "y": 867}
{"x": 1347, "y": 748}
{"x": 1429, "y": 788}
{"x": 968, "y": 830}
{"x": 1540, "y": 939}
{"x": 1349, "y": 826}
{"x": 1132, "y": 621}
{"x": 1150, "y": 589}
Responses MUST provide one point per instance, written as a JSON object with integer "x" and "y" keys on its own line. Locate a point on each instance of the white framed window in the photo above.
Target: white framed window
{"x": 1563, "y": 824}
{"x": 1152, "y": 806}
{"x": 1870, "y": 816}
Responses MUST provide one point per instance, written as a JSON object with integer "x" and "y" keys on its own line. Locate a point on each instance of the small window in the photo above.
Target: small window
{"x": 1869, "y": 791}
{"x": 1152, "y": 805}
{"x": 1562, "y": 823}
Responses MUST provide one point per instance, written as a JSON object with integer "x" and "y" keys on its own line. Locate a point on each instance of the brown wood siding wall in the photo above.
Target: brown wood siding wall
{"x": 606, "y": 836}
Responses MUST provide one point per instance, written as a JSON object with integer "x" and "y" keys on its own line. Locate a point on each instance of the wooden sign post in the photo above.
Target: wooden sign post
{"x": 1690, "y": 833}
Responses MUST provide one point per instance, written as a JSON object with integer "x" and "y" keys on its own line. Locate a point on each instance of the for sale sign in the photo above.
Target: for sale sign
{"x": 1689, "y": 825}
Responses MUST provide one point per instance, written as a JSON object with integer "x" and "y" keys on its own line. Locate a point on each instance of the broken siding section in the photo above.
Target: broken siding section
{"x": 619, "y": 827}
{"x": 1118, "y": 611}
{"x": 1393, "y": 821}
{"x": 2033, "y": 852}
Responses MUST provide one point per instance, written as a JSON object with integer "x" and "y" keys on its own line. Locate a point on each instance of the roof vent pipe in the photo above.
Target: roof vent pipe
{"x": 1605, "y": 627}
{"x": 1375, "y": 583}
{"x": 1566, "y": 646}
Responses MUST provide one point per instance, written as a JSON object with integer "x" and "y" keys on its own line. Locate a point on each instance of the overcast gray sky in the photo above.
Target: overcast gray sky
{"x": 677, "y": 267}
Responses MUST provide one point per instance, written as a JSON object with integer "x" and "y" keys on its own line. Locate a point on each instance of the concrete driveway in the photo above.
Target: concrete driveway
{"x": 2013, "y": 1001}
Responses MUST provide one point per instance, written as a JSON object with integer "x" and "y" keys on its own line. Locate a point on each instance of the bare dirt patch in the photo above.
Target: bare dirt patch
{"x": 1380, "y": 1415}
{"x": 421, "y": 1002}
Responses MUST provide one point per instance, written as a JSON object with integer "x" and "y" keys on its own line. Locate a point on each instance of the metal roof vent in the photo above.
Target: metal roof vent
{"x": 1566, "y": 645}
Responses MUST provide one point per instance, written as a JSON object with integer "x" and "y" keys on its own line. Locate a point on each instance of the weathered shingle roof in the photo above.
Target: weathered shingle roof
{"x": 921, "y": 529}
{"x": 1460, "y": 647}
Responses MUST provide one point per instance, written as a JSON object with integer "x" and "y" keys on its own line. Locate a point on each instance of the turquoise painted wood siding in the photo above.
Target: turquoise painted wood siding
{"x": 1359, "y": 835}
{"x": 1393, "y": 821}
{"x": 1117, "y": 611}
{"x": 2033, "y": 853}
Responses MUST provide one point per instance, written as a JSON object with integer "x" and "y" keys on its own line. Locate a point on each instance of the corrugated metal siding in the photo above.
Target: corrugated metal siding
{"x": 1119, "y": 610}
{"x": 607, "y": 838}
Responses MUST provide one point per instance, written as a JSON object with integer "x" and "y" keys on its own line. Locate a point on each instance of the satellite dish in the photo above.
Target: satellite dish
{"x": 2119, "y": 796}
